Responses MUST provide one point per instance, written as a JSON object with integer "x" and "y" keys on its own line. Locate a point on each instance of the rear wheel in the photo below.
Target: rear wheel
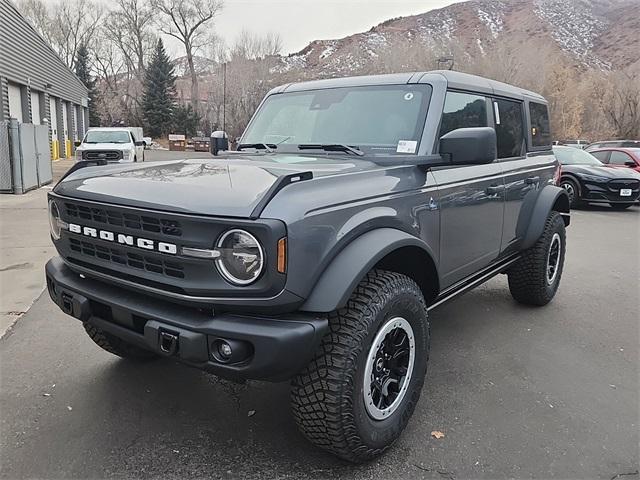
{"x": 356, "y": 396}
{"x": 535, "y": 277}
{"x": 620, "y": 206}
{"x": 571, "y": 187}
{"x": 116, "y": 346}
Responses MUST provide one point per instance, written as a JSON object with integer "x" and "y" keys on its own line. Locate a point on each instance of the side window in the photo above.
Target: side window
{"x": 540, "y": 129}
{"x": 463, "y": 110}
{"x": 619, "y": 158}
{"x": 602, "y": 156}
{"x": 509, "y": 128}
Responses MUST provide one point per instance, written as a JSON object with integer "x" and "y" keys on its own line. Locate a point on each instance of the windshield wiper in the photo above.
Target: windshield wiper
{"x": 332, "y": 147}
{"x": 268, "y": 147}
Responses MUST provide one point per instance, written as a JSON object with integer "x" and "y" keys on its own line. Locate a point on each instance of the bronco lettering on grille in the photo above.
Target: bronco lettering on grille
{"x": 122, "y": 239}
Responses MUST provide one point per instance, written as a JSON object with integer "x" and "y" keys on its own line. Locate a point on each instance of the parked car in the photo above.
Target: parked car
{"x": 618, "y": 157}
{"x": 111, "y": 144}
{"x": 614, "y": 144}
{"x": 576, "y": 143}
{"x": 353, "y": 207}
{"x": 587, "y": 180}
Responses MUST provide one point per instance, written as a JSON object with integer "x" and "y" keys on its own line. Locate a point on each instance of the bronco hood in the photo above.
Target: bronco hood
{"x": 231, "y": 187}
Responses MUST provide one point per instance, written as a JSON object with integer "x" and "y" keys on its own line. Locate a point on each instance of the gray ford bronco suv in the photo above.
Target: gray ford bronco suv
{"x": 314, "y": 254}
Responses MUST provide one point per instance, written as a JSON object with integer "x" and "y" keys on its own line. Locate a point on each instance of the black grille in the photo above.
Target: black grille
{"x": 102, "y": 155}
{"x": 620, "y": 184}
{"x": 135, "y": 260}
{"x": 130, "y": 220}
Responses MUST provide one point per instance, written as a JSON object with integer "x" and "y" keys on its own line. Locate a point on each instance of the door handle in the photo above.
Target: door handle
{"x": 532, "y": 180}
{"x": 495, "y": 189}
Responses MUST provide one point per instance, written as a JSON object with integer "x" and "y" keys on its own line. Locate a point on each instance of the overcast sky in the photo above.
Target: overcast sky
{"x": 300, "y": 21}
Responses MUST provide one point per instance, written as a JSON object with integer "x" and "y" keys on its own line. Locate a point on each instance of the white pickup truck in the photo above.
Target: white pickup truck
{"x": 113, "y": 144}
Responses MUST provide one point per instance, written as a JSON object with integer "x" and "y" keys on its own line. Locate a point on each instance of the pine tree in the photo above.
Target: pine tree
{"x": 185, "y": 120}
{"x": 83, "y": 73}
{"x": 158, "y": 100}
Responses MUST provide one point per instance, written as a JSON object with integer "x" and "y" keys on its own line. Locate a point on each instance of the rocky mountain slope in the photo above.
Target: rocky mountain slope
{"x": 600, "y": 34}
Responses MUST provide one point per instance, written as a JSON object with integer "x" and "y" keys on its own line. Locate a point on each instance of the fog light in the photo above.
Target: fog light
{"x": 227, "y": 350}
{"x": 224, "y": 349}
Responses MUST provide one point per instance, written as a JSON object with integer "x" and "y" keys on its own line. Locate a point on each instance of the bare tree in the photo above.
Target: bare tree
{"x": 65, "y": 25}
{"x": 621, "y": 104}
{"x": 185, "y": 20}
{"x": 250, "y": 46}
{"x": 129, "y": 27}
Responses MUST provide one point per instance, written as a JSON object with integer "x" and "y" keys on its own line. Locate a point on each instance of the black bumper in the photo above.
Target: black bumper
{"x": 276, "y": 348}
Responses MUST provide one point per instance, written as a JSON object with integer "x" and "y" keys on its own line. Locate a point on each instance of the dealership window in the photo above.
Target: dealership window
{"x": 509, "y": 128}
{"x": 462, "y": 110}
{"x": 540, "y": 129}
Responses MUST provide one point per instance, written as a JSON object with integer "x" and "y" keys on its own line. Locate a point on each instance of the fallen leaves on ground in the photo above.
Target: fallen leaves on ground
{"x": 437, "y": 434}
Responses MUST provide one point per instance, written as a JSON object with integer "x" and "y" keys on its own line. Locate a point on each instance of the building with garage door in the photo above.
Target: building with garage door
{"x": 36, "y": 86}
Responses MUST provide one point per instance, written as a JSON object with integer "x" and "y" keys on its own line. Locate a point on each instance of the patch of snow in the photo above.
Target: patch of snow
{"x": 490, "y": 14}
{"x": 292, "y": 62}
{"x": 575, "y": 28}
{"x": 479, "y": 42}
{"x": 439, "y": 29}
{"x": 328, "y": 51}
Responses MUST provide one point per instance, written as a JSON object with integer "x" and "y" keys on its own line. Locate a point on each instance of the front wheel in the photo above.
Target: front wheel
{"x": 356, "y": 396}
{"x": 620, "y": 206}
{"x": 535, "y": 277}
{"x": 573, "y": 191}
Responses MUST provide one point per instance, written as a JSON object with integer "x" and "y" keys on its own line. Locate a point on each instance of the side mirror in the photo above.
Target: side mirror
{"x": 469, "y": 146}
{"x": 77, "y": 143}
{"x": 139, "y": 143}
{"x": 631, "y": 164}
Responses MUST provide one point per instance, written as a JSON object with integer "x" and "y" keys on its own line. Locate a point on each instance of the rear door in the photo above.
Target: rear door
{"x": 527, "y": 162}
{"x": 471, "y": 197}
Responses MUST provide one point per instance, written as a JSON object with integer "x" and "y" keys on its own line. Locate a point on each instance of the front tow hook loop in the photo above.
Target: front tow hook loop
{"x": 168, "y": 343}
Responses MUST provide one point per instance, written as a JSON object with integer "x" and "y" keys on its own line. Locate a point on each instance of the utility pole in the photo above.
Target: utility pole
{"x": 224, "y": 98}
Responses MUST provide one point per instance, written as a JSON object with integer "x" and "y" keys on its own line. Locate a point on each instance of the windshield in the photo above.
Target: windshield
{"x": 107, "y": 136}
{"x": 384, "y": 119}
{"x": 575, "y": 156}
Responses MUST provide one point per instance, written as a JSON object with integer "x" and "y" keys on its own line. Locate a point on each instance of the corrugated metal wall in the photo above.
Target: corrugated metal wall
{"x": 27, "y": 57}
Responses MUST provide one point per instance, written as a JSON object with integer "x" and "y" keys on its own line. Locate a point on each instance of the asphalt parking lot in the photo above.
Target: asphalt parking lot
{"x": 518, "y": 392}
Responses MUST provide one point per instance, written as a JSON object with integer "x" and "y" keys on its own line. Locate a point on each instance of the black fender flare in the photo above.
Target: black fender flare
{"x": 351, "y": 264}
{"x": 550, "y": 198}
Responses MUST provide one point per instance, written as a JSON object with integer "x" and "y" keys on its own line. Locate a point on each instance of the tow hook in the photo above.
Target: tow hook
{"x": 168, "y": 343}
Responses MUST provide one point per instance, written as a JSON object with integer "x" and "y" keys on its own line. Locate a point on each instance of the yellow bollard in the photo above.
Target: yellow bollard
{"x": 67, "y": 148}
{"x": 55, "y": 150}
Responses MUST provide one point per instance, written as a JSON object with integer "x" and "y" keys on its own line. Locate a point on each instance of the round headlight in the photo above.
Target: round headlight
{"x": 55, "y": 223}
{"x": 241, "y": 258}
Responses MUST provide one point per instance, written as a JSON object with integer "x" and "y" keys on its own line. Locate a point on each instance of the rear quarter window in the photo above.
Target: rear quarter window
{"x": 540, "y": 127}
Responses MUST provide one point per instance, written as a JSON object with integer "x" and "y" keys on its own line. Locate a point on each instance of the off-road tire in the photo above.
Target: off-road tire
{"x": 621, "y": 206}
{"x": 327, "y": 396}
{"x": 116, "y": 346}
{"x": 528, "y": 276}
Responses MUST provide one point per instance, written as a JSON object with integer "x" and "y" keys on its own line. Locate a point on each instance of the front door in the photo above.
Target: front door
{"x": 471, "y": 198}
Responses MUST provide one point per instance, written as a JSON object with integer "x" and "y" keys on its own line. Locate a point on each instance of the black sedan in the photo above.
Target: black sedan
{"x": 587, "y": 180}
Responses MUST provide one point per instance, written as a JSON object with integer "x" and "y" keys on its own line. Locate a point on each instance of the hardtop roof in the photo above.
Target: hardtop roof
{"x": 455, "y": 80}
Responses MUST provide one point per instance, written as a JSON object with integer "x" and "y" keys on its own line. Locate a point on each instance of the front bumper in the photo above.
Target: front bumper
{"x": 604, "y": 193}
{"x": 277, "y": 347}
